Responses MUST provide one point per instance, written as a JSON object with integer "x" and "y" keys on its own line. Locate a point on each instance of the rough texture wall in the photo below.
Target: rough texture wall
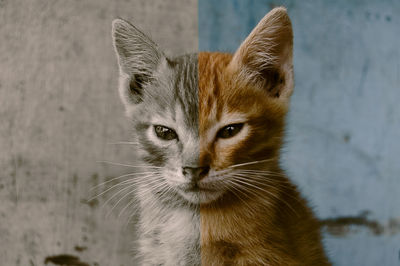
{"x": 59, "y": 108}
{"x": 343, "y": 131}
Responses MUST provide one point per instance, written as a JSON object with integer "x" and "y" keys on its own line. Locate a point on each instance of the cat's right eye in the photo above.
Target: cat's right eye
{"x": 229, "y": 131}
{"x": 165, "y": 133}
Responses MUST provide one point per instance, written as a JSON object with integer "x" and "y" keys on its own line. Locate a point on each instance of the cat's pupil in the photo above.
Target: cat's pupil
{"x": 165, "y": 133}
{"x": 229, "y": 131}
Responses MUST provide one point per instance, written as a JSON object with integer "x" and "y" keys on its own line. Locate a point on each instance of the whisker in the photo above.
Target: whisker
{"x": 129, "y": 165}
{"x": 258, "y": 181}
{"x": 131, "y": 192}
{"x": 266, "y": 176}
{"x": 108, "y": 189}
{"x": 275, "y": 184}
{"x": 250, "y": 190}
{"x": 266, "y": 191}
{"x": 166, "y": 191}
{"x": 262, "y": 172}
{"x": 221, "y": 172}
{"x": 263, "y": 179}
{"x": 133, "y": 200}
{"x": 116, "y": 194}
{"x": 248, "y": 163}
{"x": 154, "y": 203}
{"x": 119, "y": 177}
{"x": 245, "y": 182}
{"x": 277, "y": 187}
{"x": 232, "y": 185}
{"x": 123, "y": 142}
{"x": 129, "y": 181}
{"x": 116, "y": 204}
{"x": 158, "y": 184}
{"x": 122, "y": 190}
{"x": 135, "y": 210}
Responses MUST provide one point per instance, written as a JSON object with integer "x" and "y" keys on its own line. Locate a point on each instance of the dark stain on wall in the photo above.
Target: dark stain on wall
{"x": 343, "y": 225}
{"x": 65, "y": 259}
{"x": 80, "y": 248}
{"x": 340, "y": 226}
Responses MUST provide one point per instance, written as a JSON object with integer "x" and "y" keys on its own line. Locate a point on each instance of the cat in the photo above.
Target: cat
{"x": 209, "y": 128}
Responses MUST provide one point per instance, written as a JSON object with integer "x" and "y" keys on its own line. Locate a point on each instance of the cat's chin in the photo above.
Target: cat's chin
{"x": 201, "y": 196}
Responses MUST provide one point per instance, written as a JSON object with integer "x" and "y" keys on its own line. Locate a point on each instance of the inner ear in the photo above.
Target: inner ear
{"x": 273, "y": 81}
{"x": 136, "y": 87}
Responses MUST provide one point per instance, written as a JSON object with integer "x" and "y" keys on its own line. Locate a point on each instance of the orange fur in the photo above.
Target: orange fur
{"x": 272, "y": 225}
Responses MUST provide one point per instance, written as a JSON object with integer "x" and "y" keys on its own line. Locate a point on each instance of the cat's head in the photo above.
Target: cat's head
{"x": 160, "y": 96}
{"x": 200, "y": 118}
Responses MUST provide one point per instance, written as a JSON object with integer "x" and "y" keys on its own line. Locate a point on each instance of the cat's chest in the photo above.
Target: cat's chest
{"x": 174, "y": 235}
{"x": 179, "y": 226}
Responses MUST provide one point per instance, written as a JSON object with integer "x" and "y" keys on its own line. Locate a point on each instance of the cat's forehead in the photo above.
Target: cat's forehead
{"x": 211, "y": 69}
{"x": 224, "y": 97}
{"x": 185, "y": 71}
{"x": 216, "y": 89}
{"x": 174, "y": 93}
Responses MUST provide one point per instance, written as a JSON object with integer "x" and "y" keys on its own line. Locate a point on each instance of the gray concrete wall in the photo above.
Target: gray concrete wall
{"x": 343, "y": 145}
{"x": 59, "y": 108}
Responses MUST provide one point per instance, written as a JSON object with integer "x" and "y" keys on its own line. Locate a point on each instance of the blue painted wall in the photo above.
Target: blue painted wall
{"x": 344, "y": 126}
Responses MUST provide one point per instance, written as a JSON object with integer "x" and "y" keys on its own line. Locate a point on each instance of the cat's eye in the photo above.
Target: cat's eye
{"x": 229, "y": 131}
{"x": 165, "y": 133}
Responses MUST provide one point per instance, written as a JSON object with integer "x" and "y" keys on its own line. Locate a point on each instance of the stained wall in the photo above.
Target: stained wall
{"x": 59, "y": 115}
{"x": 343, "y": 129}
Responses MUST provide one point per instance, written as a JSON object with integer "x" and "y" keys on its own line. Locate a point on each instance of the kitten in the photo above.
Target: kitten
{"x": 210, "y": 127}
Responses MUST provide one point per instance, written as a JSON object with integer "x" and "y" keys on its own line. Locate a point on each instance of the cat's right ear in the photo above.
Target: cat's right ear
{"x": 265, "y": 56}
{"x": 138, "y": 58}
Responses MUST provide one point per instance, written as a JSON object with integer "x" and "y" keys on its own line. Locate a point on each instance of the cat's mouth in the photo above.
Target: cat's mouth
{"x": 196, "y": 187}
{"x": 198, "y": 194}
{"x": 201, "y": 191}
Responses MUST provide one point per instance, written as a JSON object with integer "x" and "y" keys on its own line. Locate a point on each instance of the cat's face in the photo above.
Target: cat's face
{"x": 207, "y": 123}
{"x": 166, "y": 125}
{"x": 241, "y": 124}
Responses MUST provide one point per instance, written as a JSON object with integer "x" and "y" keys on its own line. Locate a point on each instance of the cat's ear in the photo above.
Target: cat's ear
{"x": 265, "y": 56}
{"x": 138, "y": 59}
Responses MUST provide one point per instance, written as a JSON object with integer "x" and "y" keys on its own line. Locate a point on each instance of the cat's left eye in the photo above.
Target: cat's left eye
{"x": 229, "y": 131}
{"x": 165, "y": 133}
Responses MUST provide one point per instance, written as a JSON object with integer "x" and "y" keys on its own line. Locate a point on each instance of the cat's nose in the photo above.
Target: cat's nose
{"x": 195, "y": 173}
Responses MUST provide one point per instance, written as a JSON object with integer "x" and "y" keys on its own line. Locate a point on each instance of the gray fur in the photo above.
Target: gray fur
{"x": 168, "y": 91}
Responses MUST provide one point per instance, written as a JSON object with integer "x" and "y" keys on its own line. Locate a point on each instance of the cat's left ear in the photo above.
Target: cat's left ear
{"x": 265, "y": 57}
{"x": 138, "y": 58}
